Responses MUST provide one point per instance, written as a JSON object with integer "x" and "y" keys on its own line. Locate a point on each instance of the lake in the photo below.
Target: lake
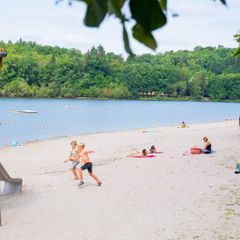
{"x": 70, "y": 117}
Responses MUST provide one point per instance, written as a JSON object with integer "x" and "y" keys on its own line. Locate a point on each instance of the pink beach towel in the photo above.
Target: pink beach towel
{"x": 148, "y": 156}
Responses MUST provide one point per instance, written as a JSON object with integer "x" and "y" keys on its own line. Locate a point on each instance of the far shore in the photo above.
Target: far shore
{"x": 171, "y": 99}
{"x": 175, "y": 195}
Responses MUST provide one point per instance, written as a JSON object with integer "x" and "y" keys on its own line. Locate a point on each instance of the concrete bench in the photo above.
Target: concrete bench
{"x": 11, "y": 185}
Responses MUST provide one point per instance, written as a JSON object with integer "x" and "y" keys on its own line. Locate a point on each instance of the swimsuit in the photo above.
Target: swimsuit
{"x": 87, "y": 166}
{"x": 208, "y": 149}
{"x": 148, "y": 156}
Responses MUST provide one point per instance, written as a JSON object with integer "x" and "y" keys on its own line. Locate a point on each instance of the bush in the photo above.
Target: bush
{"x": 118, "y": 91}
{"x": 17, "y": 88}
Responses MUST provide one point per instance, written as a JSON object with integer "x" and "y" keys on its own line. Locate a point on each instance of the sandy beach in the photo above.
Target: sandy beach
{"x": 172, "y": 196}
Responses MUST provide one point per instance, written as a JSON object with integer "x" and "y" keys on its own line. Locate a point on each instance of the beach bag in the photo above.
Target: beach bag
{"x": 196, "y": 150}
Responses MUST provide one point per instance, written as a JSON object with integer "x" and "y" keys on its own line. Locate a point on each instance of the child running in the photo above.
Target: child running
{"x": 73, "y": 157}
{"x": 87, "y": 164}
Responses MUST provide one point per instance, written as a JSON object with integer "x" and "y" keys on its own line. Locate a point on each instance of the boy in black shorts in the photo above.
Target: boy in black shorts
{"x": 87, "y": 164}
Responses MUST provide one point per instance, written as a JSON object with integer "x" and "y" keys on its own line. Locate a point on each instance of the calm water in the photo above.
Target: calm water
{"x": 67, "y": 117}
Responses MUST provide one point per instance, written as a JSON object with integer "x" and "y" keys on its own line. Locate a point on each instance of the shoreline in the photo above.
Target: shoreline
{"x": 114, "y": 131}
{"x": 131, "y": 99}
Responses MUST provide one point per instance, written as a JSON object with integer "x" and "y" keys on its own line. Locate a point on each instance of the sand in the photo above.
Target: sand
{"x": 172, "y": 196}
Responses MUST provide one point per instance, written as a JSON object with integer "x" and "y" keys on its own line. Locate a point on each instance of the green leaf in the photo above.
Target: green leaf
{"x": 237, "y": 37}
{"x": 126, "y": 41}
{"x": 163, "y": 4}
{"x": 144, "y": 36}
{"x": 236, "y": 53}
{"x": 115, "y": 7}
{"x": 148, "y": 14}
{"x": 223, "y": 2}
{"x": 96, "y": 12}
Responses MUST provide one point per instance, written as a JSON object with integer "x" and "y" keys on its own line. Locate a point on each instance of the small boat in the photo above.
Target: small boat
{"x": 24, "y": 111}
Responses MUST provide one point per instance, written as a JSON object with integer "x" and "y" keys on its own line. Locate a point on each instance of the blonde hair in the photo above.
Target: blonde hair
{"x": 81, "y": 145}
{"x": 74, "y": 143}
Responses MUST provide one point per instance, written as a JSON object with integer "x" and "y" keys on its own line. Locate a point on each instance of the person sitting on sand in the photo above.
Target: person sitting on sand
{"x": 73, "y": 157}
{"x": 137, "y": 153}
{"x": 153, "y": 149}
{"x": 87, "y": 164}
{"x": 183, "y": 125}
{"x": 207, "y": 146}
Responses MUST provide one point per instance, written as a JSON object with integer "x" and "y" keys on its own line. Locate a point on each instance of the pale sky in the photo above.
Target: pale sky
{"x": 200, "y": 22}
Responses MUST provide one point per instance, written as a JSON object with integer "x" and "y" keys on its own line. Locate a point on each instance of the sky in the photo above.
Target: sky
{"x": 200, "y": 23}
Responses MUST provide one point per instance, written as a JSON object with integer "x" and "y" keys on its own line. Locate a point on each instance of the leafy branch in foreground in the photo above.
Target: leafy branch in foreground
{"x": 148, "y": 16}
{"x": 237, "y": 39}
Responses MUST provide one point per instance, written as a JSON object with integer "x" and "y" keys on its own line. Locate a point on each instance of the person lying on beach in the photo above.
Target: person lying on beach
{"x": 237, "y": 170}
{"x": 87, "y": 164}
{"x": 144, "y": 153}
{"x": 73, "y": 157}
{"x": 153, "y": 149}
{"x": 207, "y": 146}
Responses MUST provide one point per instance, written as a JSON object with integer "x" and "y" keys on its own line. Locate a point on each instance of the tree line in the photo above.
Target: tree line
{"x": 33, "y": 70}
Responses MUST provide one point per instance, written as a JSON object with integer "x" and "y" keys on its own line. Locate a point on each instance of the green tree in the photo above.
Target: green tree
{"x": 67, "y": 90}
{"x": 16, "y": 88}
{"x": 33, "y": 70}
{"x": 225, "y": 86}
{"x": 45, "y": 91}
{"x": 118, "y": 91}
